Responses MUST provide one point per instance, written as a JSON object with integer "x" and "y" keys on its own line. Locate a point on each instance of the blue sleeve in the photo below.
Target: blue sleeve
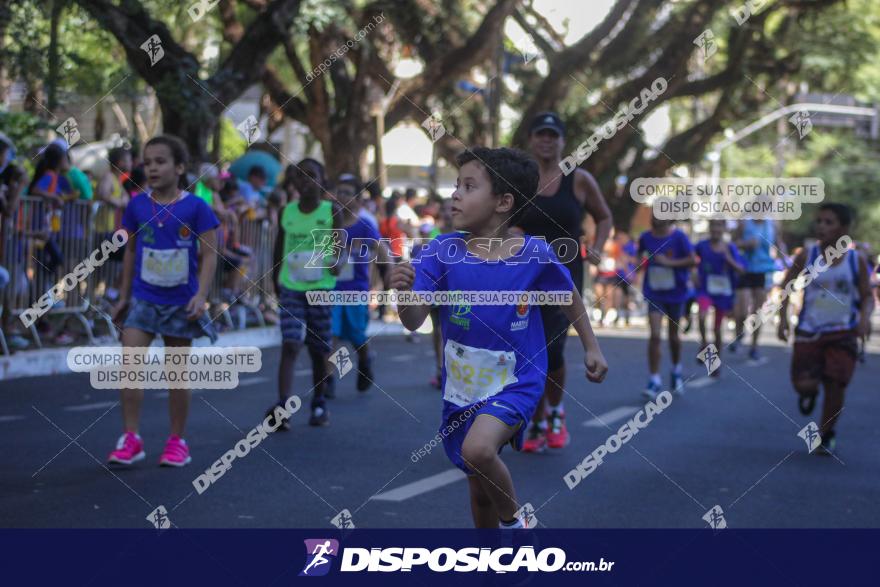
{"x": 129, "y": 221}
{"x": 371, "y": 231}
{"x": 734, "y": 252}
{"x": 553, "y": 275}
{"x": 205, "y": 218}
{"x": 64, "y": 186}
{"x": 43, "y": 183}
{"x": 686, "y": 247}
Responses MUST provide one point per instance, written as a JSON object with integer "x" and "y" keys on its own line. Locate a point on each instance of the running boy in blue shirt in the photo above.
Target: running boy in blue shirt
{"x": 670, "y": 255}
{"x": 720, "y": 263}
{"x": 495, "y": 357}
{"x": 360, "y": 243}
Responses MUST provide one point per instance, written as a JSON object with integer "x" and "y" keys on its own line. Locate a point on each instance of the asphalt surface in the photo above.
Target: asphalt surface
{"x": 731, "y": 443}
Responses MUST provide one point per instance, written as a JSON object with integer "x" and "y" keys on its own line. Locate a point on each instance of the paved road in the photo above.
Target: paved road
{"x": 732, "y": 443}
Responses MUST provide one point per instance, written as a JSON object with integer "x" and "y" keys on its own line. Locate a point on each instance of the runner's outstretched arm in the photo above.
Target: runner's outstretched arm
{"x": 576, "y": 313}
{"x": 800, "y": 261}
{"x": 411, "y": 315}
{"x": 595, "y": 205}
{"x": 867, "y": 297}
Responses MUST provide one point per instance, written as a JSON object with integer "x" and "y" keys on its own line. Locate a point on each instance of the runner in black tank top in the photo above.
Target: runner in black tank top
{"x": 557, "y": 214}
{"x": 558, "y": 217}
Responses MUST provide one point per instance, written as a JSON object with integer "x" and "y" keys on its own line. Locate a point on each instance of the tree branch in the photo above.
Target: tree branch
{"x": 245, "y": 63}
{"x": 451, "y": 64}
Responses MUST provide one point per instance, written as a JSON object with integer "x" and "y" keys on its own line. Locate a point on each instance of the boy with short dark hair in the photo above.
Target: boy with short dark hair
{"x": 495, "y": 356}
{"x": 298, "y": 268}
{"x": 360, "y": 242}
{"x": 836, "y": 311}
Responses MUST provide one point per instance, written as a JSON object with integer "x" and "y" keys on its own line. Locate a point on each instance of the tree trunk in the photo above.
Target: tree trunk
{"x": 5, "y": 17}
{"x": 52, "y": 81}
{"x": 193, "y": 123}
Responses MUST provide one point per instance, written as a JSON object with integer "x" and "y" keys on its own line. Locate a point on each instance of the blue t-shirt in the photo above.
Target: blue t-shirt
{"x": 62, "y": 186}
{"x": 665, "y": 284}
{"x": 166, "y": 264}
{"x": 628, "y": 273}
{"x": 354, "y": 275}
{"x": 717, "y": 277}
{"x": 514, "y": 329}
{"x": 759, "y": 259}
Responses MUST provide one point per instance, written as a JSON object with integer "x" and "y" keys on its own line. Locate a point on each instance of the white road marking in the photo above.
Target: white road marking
{"x": 252, "y": 381}
{"x": 701, "y": 382}
{"x": 421, "y": 486}
{"x": 87, "y": 407}
{"x": 10, "y": 418}
{"x": 401, "y": 358}
{"x": 614, "y": 415}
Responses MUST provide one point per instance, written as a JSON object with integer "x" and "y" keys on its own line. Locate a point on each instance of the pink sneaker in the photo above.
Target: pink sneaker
{"x": 176, "y": 453}
{"x": 129, "y": 449}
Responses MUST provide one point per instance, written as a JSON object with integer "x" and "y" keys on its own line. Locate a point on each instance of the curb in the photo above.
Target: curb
{"x": 43, "y": 362}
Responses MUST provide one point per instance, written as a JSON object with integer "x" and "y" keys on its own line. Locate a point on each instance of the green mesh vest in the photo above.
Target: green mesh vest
{"x": 305, "y": 236}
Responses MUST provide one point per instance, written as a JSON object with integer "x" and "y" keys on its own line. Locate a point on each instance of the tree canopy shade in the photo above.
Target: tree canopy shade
{"x": 191, "y": 105}
{"x": 328, "y": 64}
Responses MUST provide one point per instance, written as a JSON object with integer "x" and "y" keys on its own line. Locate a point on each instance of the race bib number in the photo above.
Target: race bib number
{"x": 830, "y": 311}
{"x": 719, "y": 285}
{"x": 473, "y": 374}
{"x": 165, "y": 267}
{"x": 300, "y": 269}
{"x": 606, "y": 265}
{"x": 346, "y": 268}
{"x": 661, "y": 278}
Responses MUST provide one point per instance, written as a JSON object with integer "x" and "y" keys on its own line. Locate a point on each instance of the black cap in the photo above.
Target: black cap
{"x": 549, "y": 120}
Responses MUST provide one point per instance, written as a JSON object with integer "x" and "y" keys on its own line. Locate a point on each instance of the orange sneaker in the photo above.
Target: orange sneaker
{"x": 536, "y": 440}
{"x": 557, "y": 435}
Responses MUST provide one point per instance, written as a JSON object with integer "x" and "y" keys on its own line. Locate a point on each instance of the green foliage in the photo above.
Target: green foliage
{"x": 27, "y": 131}
{"x": 232, "y": 144}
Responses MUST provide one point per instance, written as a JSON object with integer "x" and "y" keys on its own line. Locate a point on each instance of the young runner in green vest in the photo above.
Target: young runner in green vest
{"x": 304, "y": 233}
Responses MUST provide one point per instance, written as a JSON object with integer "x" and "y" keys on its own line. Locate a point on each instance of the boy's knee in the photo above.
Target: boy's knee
{"x": 290, "y": 349}
{"x": 476, "y": 455}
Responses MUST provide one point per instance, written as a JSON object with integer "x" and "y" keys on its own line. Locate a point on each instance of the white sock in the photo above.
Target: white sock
{"x": 655, "y": 378}
{"x": 558, "y": 408}
{"x": 676, "y": 368}
{"x": 514, "y": 525}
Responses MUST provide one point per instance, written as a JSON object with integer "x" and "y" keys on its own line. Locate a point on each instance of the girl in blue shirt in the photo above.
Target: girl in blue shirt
{"x": 168, "y": 267}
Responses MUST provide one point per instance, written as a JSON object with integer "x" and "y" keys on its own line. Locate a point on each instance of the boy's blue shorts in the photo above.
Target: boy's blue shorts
{"x": 350, "y": 323}
{"x": 457, "y": 426}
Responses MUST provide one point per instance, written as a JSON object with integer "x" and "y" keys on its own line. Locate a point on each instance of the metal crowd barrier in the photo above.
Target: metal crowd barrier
{"x": 40, "y": 244}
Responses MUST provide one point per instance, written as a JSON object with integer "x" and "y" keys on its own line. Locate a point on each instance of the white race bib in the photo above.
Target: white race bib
{"x": 661, "y": 278}
{"x": 719, "y": 285}
{"x": 297, "y": 266}
{"x": 828, "y": 312}
{"x": 473, "y": 374}
{"x": 165, "y": 267}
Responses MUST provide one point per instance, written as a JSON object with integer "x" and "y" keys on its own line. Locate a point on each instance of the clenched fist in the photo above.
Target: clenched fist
{"x": 402, "y": 276}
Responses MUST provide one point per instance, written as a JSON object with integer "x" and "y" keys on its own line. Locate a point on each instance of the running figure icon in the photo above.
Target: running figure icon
{"x": 318, "y": 558}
